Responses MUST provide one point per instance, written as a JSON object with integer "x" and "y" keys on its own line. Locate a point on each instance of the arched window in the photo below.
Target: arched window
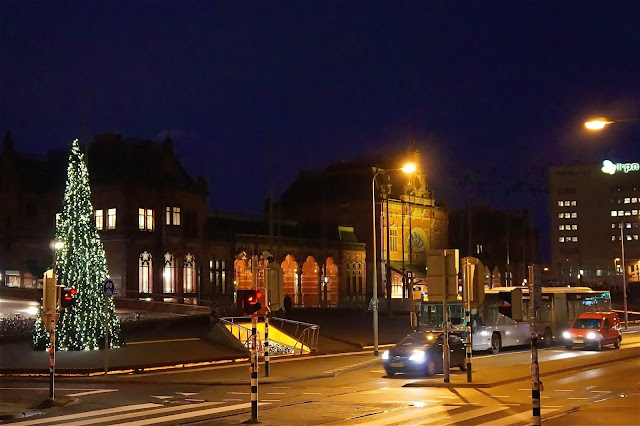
{"x": 189, "y": 273}
{"x": 169, "y": 274}
{"x": 145, "y": 273}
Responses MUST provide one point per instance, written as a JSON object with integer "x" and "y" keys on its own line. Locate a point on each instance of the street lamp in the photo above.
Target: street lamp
{"x": 407, "y": 168}
{"x": 599, "y": 123}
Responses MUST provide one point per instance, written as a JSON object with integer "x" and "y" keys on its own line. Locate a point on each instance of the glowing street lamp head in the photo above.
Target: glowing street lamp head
{"x": 409, "y": 168}
{"x": 56, "y": 244}
{"x": 597, "y": 123}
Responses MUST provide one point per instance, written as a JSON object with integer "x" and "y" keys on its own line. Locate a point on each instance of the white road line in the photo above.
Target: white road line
{"x": 311, "y": 393}
{"x": 564, "y": 390}
{"x": 270, "y": 400}
{"x": 276, "y": 393}
{"x": 601, "y": 391}
{"x": 92, "y": 392}
{"x": 227, "y": 400}
{"x": 90, "y": 414}
{"x": 187, "y": 415}
{"x": 238, "y": 393}
{"x": 500, "y": 396}
{"x": 404, "y": 416}
{"x": 110, "y": 419}
{"x": 163, "y": 397}
{"x": 516, "y": 418}
{"x": 187, "y": 393}
{"x": 462, "y": 417}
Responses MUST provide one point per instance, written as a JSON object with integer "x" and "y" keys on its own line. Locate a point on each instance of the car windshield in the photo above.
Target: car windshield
{"x": 587, "y": 323}
{"x": 418, "y": 339}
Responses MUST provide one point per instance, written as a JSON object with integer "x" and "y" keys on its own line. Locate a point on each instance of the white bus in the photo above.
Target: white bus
{"x": 502, "y": 320}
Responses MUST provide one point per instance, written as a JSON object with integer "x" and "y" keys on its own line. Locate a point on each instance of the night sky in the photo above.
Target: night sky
{"x": 253, "y": 92}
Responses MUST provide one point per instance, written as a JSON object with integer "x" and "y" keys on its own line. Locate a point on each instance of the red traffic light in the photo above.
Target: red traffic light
{"x": 68, "y": 297}
{"x": 250, "y": 301}
{"x": 253, "y": 297}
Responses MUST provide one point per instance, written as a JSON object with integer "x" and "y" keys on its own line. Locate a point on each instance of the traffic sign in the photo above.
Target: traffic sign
{"x": 108, "y": 288}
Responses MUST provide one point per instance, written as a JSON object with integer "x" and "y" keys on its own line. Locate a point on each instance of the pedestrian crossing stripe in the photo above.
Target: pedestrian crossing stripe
{"x": 141, "y": 411}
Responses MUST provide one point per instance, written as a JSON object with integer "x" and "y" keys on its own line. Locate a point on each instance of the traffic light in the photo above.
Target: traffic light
{"x": 249, "y": 301}
{"x": 49, "y": 292}
{"x": 68, "y": 298}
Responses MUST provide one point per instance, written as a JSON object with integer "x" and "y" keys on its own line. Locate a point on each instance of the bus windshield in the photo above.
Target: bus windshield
{"x": 431, "y": 316}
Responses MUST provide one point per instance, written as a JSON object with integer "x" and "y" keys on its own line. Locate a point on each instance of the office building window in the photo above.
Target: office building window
{"x": 614, "y": 213}
{"x": 575, "y": 239}
{"x": 189, "y": 273}
{"x": 627, "y": 200}
{"x": 560, "y": 203}
{"x": 58, "y": 217}
{"x": 111, "y": 219}
{"x": 574, "y": 227}
{"x": 99, "y": 220}
{"x": 561, "y": 228}
{"x": 218, "y": 275}
{"x": 561, "y": 215}
{"x": 145, "y": 273}
{"x": 574, "y": 203}
{"x": 169, "y": 274}
{"x": 145, "y": 219}
{"x": 479, "y": 249}
{"x": 561, "y": 239}
{"x": 574, "y": 215}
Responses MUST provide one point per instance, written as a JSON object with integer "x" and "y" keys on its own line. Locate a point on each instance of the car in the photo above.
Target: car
{"x": 420, "y": 352}
{"x": 594, "y": 329}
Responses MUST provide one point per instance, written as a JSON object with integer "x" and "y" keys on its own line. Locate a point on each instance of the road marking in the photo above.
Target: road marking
{"x": 377, "y": 371}
{"x": 516, "y": 418}
{"x": 510, "y": 405}
{"x": 238, "y": 393}
{"x": 564, "y": 390}
{"x": 187, "y": 393}
{"x": 164, "y": 341}
{"x": 404, "y": 416}
{"x": 90, "y": 414}
{"x": 501, "y": 396}
{"x": 116, "y": 417}
{"x": 311, "y": 393}
{"x": 276, "y": 393}
{"x": 231, "y": 400}
{"x": 163, "y": 397}
{"x": 189, "y": 414}
{"x": 601, "y": 391}
{"x": 270, "y": 400}
{"x": 462, "y": 417}
{"x": 92, "y": 392}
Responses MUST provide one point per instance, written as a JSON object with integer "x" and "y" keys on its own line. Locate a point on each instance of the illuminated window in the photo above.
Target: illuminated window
{"x": 634, "y": 212}
{"x": 561, "y": 215}
{"x": 635, "y": 237}
{"x": 561, "y": 239}
{"x": 614, "y": 213}
{"x": 567, "y": 203}
{"x": 561, "y": 227}
{"x": 634, "y": 200}
{"x": 613, "y": 238}
{"x": 111, "y": 224}
{"x": 172, "y": 216}
{"x": 145, "y": 273}
{"x": 575, "y": 239}
{"x": 627, "y": 213}
{"x": 145, "y": 219}
{"x": 620, "y": 213}
{"x": 574, "y": 203}
{"x": 169, "y": 274}
{"x": 560, "y": 203}
{"x": 189, "y": 273}
{"x": 99, "y": 220}
{"x": 393, "y": 239}
{"x": 627, "y": 200}
{"x": 574, "y": 227}
{"x": 479, "y": 249}
{"x": 574, "y": 215}
{"x": 58, "y": 217}
{"x": 218, "y": 275}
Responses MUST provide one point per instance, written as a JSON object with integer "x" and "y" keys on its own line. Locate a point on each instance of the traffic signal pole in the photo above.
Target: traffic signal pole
{"x": 254, "y": 368}
{"x": 52, "y": 356}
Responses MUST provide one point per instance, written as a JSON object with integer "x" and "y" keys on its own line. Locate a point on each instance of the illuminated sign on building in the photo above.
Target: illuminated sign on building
{"x": 610, "y": 168}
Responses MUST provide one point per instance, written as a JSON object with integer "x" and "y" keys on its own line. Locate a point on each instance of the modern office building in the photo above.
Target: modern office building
{"x": 594, "y": 223}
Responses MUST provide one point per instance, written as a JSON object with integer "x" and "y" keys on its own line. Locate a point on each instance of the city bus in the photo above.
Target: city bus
{"x": 502, "y": 320}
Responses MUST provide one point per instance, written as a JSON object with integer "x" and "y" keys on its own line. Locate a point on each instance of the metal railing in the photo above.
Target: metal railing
{"x": 242, "y": 333}
{"x": 306, "y": 334}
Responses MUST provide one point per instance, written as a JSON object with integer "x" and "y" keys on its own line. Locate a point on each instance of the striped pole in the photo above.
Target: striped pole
{"x": 535, "y": 379}
{"x": 266, "y": 346}
{"x": 468, "y": 343}
{"x": 254, "y": 368}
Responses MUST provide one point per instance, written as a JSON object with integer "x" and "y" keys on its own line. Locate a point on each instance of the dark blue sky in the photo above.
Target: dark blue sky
{"x": 493, "y": 92}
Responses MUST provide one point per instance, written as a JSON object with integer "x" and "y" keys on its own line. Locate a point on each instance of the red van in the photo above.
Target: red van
{"x": 594, "y": 329}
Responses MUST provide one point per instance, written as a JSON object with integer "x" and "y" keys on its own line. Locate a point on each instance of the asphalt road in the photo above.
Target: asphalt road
{"x": 352, "y": 389}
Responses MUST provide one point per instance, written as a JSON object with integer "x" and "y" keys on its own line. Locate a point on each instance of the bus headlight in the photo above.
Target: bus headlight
{"x": 566, "y": 335}
{"x": 418, "y": 357}
{"x": 385, "y": 355}
{"x": 592, "y": 336}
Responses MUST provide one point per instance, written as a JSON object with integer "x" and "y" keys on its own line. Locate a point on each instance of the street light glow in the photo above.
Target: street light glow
{"x": 597, "y": 123}
{"x": 409, "y": 168}
{"x": 57, "y": 244}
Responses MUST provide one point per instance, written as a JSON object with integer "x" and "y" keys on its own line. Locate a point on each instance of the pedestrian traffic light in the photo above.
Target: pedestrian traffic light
{"x": 68, "y": 298}
{"x": 250, "y": 301}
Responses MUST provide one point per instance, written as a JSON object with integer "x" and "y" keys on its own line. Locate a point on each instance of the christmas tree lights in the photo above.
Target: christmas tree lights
{"x": 80, "y": 264}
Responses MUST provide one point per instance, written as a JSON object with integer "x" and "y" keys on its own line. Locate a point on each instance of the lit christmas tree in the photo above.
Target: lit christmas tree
{"x": 80, "y": 264}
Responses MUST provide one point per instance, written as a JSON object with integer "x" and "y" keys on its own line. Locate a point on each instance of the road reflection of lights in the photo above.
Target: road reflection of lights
{"x": 32, "y": 310}
{"x": 419, "y": 404}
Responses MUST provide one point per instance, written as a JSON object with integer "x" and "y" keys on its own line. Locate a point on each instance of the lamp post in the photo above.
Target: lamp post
{"x": 597, "y": 124}
{"x": 624, "y": 281}
{"x": 408, "y": 168}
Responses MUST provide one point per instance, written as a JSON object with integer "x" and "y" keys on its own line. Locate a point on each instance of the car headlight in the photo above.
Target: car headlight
{"x": 484, "y": 333}
{"x": 385, "y": 355}
{"x": 566, "y": 335}
{"x": 418, "y": 357}
{"x": 592, "y": 336}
